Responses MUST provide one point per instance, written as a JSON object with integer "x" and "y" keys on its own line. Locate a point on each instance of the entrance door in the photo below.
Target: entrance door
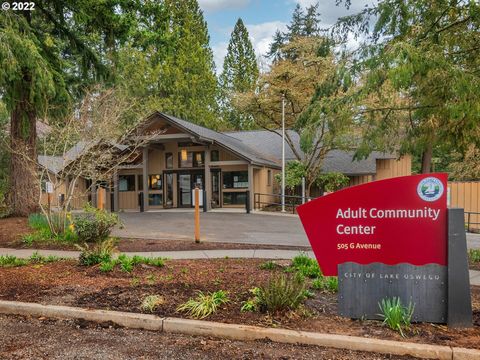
{"x": 185, "y": 190}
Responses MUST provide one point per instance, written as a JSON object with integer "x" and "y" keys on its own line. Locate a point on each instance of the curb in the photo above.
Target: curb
{"x": 240, "y": 332}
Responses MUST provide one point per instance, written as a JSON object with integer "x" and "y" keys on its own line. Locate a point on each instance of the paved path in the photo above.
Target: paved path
{"x": 195, "y": 254}
{"x": 215, "y": 226}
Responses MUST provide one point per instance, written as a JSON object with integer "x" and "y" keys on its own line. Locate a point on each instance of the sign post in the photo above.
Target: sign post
{"x": 389, "y": 238}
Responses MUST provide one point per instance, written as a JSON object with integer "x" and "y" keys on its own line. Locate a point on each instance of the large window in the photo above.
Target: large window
{"x": 155, "y": 182}
{"x": 188, "y": 159}
{"x": 235, "y": 179}
{"x": 126, "y": 183}
{"x": 214, "y": 155}
{"x": 234, "y": 198}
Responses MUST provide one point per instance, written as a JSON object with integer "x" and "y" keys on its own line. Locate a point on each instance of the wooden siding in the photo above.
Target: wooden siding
{"x": 466, "y": 195}
{"x": 389, "y": 168}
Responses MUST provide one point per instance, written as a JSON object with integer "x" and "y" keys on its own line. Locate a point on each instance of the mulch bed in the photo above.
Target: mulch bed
{"x": 66, "y": 283}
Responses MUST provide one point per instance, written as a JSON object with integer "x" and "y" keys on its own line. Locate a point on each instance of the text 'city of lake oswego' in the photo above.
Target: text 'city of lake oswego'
{"x": 374, "y": 213}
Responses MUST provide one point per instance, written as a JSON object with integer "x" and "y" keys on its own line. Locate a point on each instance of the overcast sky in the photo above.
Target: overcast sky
{"x": 262, "y": 18}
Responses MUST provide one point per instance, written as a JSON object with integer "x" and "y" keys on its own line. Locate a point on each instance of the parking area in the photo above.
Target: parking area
{"x": 220, "y": 227}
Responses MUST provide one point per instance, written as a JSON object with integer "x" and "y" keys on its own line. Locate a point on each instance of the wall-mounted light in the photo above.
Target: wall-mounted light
{"x": 183, "y": 153}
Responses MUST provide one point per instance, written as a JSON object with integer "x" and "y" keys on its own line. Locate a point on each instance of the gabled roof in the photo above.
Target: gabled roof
{"x": 341, "y": 161}
{"x": 224, "y": 140}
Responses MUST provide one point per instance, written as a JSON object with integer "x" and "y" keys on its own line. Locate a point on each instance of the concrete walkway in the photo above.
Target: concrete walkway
{"x": 195, "y": 254}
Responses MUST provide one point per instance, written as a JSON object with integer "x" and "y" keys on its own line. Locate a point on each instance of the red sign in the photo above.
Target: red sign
{"x": 398, "y": 220}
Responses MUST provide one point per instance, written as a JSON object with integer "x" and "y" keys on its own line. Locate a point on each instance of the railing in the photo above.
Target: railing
{"x": 273, "y": 202}
{"x": 470, "y": 216}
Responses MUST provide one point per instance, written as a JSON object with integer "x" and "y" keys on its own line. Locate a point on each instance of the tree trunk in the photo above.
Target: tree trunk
{"x": 427, "y": 159}
{"x": 24, "y": 190}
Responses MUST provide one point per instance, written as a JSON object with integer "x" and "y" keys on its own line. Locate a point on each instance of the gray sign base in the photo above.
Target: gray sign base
{"x": 362, "y": 288}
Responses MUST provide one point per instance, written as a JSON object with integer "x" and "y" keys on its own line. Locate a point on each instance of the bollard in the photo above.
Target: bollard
{"x": 141, "y": 200}
{"x": 204, "y": 194}
{"x": 197, "y": 215}
{"x": 247, "y": 201}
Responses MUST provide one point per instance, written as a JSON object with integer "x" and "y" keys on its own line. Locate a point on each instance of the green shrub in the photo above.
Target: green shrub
{"x": 306, "y": 266}
{"x": 12, "y": 261}
{"x": 282, "y": 292}
{"x": 38, "y": 221}
{"x": 151, "y": 302}
{"x": 107, "y": 266}
{"x": 40, "y": 259}
{"x": 95, "y": 225}
{"x": 326, "y": 283}
{"x": 395, "y": 315}
{"x": 269, "y": 265}
{"x": 474, "y": 255}
{"x": 127, "y": 263}
{"x": 96, "y": 254}
{"x": 204, "y": 304}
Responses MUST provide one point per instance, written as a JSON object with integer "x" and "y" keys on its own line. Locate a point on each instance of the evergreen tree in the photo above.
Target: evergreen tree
{"x": 302, "y": 24}
{"x": 169, "y": 67}
{"x": 240, "y": 73}
{"x": 47, "y": 57}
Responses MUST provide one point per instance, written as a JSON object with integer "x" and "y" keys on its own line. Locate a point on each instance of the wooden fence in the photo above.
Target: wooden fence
{"x": 466, "y": 195}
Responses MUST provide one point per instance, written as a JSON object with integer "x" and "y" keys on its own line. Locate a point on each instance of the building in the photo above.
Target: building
{"x": 182, "y": 155}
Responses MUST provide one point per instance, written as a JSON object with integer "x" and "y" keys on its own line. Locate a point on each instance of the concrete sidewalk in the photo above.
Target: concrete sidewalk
{"x": 195, "y": 254}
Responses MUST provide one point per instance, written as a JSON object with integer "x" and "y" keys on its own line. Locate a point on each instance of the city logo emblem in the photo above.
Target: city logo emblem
{"x": 430, "y": 189}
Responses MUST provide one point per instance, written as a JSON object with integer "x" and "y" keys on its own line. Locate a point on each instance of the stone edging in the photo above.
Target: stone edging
{"x": 240, "y": 332}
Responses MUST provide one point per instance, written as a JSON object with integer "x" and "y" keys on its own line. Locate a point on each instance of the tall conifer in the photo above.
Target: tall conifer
{"x": 240, "y": 73}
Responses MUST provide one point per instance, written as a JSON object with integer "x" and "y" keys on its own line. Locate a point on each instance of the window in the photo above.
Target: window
{"x": 140, "y": 182}
{"x": 155, "y": 199}
{"x": 168, "y": 160}
{"x": 191, "y": 159}
{"x": 234, "y": 198}
{"x": 126, "y": 183}
{"x": 235, "y": 179}
{"x": 269, "y": 178}
{"x": 155, "y": 182}
{"x": 214, "y": 155}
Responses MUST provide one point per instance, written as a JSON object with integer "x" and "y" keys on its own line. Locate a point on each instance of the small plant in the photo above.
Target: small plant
{"x": 282, "y": 292}
{"x": 306, "y": 266}
{"x": 249, "y": 305}
{"x": 151, "y": 279}
{"x": 127, "y": 263}
{"x": 326, "y": 283}
{"x": 269, "y": 265}
{"x": 474, "y": 255}
{"x": 395, "y": 315}
{"x": 40, "y": 259}
{"x": 151, "y": 302}
{"x": 99, "y": 253}
{"x": 204, "y": 304}
{"x": 12, "y": 261}
{"x": 106, "y": 266}
{"x": 95, "y": 225}
{"x": 135, "y": 281}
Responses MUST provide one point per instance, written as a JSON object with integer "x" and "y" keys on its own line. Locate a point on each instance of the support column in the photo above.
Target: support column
{"x": 208, "y": 181}
{"x": 145, "y": 177}
{"x": 116, "y": 195}
{"x": 250, "y": 185}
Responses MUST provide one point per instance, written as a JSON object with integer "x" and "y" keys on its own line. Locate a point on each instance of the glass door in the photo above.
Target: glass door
{"x": 216, "y": 188}
{"x": 185, "y": 190}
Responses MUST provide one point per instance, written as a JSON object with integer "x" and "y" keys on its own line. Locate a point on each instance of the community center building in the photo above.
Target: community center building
{"x": 182, "y": 155}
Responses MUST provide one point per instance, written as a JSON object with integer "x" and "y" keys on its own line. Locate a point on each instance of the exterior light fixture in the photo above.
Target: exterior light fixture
{"x": 183, "y": 153}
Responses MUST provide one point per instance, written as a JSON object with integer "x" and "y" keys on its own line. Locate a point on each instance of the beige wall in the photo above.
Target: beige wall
{"x": 466, "y": 195}
{"x": 358, "y": 180}
{"x": 80, "y": 194}
{"x": 262, "y": 185}
{"x": 389, "y": 168}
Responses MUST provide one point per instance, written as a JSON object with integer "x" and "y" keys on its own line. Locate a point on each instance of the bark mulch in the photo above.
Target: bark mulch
{"x": 66, "y": 283}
